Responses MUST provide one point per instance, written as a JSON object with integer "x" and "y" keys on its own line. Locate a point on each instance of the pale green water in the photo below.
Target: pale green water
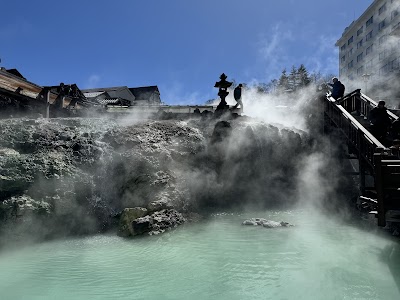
{"x": 217, "y": 259}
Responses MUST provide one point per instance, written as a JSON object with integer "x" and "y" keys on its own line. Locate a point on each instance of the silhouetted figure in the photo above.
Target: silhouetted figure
{"x": 380, "y": 121}
{"x": 237, "y": 94}
{"x": 338, "y": 88}
{"x": 196, "y": 111}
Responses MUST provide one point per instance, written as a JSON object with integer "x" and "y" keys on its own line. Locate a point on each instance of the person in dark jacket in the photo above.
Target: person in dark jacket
{"x": 237, "y": 94}
{"x": 337, "y": 88}
{"x": 380, "y": 121}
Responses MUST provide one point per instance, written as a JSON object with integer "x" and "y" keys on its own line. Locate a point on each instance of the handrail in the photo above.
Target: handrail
{"x": 357, "y": 124}
{"x": 361, "y": 139}
{"x": 370, "y": 151}
{"x": 368, "y": 99}
{"x": 357, "y": 101}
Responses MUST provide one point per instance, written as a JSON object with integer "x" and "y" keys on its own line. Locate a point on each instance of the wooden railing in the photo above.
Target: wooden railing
{"x": 360, "y": 103}
{"x": 360, "y": 138}
{"x": 384, "y": 163}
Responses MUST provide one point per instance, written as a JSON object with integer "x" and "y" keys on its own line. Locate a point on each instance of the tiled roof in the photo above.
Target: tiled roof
{"x": 144, "y": 93}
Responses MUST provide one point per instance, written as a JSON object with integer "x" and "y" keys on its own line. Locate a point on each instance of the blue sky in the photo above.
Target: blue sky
{"x": 180, "y": 45}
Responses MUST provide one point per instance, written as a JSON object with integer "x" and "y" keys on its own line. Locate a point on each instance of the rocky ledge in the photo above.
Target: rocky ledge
{"x": 81, "y": 176}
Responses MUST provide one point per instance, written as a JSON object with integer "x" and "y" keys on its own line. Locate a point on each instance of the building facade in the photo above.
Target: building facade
{"x": 369, "y": 49}
{"x": 122, "y": 95}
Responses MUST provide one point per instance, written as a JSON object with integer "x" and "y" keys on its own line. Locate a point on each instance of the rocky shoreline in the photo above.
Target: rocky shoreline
{"x": 78, "y": 176}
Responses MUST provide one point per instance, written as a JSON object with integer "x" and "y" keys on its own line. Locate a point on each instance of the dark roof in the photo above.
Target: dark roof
{"x": 144, "y": 93}
{"x": 114, "y": 92}
{"x": 15, "y": 72}
{"x": 103, "y": 89}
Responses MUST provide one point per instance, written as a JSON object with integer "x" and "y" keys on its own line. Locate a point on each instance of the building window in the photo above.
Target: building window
{"x": 351, "y": 52}
{"x": 382, "y": 24}
{"x": 383, "y": 54}
{"x": 359, "y": 57}
{"x": 343, "y": 59}
{"x": 350, "y": 40}
{"x": 394, "y": 13}
{"x": 359, "y": 31}
{"x": 350, "y": 65}
{"x": 369, "y": 49}
{"x": 368, "y": 36}
{"x": 382, "y": 8}
{"x": 343, "y": 47}
{"x": 360, "y": 70}
{"x": 369, "y": 22}
{"x": 382, "y": 39}
{"x": 359, "y": 44}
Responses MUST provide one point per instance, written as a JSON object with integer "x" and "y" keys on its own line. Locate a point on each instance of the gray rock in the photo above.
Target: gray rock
{"x": 23, "y": 207}
{"x": 266, "y": 223}
{"x": 158, "y": 222}
{"x": 127, "y": 218}
{"x": 159, "y": 205}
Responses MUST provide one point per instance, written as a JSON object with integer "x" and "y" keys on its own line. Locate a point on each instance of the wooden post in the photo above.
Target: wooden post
{"x": 361, "y": 161}
{"x": 62, "y": 102}
{"x": 361, "y": 169}
{"x": 47, "y": 104}
{"x": 379, "y": 189}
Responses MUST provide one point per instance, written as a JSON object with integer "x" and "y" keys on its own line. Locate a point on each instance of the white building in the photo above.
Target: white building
{"x": 369, "y": 49}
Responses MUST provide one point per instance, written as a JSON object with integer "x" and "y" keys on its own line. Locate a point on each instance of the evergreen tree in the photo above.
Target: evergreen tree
{"x": 293, "y": 79}
{"x": 283, "y": 82}
{"x": 304, "y": 78}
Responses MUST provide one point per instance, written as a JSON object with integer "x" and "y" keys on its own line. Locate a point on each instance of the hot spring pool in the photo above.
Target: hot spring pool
{"x": 215, "y": 259}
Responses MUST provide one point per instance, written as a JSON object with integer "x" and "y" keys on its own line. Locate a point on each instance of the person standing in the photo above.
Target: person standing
{"x": 338, "y": 88}
{"x": 380, "y": 121}
{"x": 237, "y": 94}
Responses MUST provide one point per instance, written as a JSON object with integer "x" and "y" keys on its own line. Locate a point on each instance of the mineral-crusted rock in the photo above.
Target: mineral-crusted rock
{"x": 254, "y": 221}
{"x": 23, "y": 207}
{"x": 159, "y": 205}
{"x": 88, "y": 169}
{"x": 126, "y": 220}
{"x": 266, "y": 223}
{"x": 142, "y": 225}
{"x": 158, "y": 222}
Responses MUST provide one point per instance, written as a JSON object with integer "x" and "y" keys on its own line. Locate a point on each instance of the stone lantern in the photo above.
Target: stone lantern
{"x": 223, "y": 86}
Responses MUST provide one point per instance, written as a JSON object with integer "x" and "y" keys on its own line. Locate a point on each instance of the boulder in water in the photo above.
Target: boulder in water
{"x": 126, "y": 220}
{"x": 158, "y": 222}
{"x": 266, "y": 223}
